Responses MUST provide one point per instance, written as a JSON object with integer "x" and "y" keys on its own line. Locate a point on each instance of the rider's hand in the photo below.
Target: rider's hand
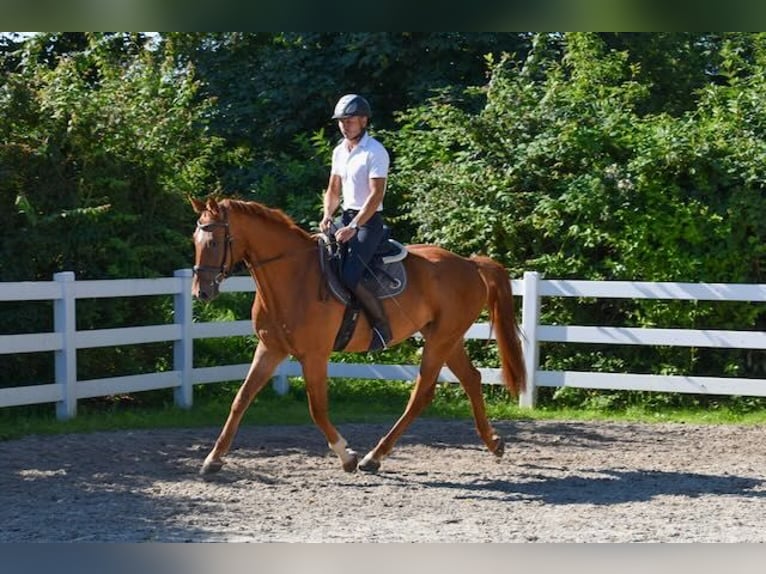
{"x": 325, "y": 224}
{"x": 345, "y": 234}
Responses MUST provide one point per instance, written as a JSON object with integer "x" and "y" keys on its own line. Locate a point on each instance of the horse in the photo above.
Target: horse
{"x": 293, "y": 315}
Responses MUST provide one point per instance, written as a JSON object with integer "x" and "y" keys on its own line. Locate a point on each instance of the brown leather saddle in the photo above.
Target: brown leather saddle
{"x": 386, "y": 277}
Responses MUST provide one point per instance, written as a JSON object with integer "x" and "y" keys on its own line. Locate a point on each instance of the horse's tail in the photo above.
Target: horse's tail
{"x": 502, "y": 318}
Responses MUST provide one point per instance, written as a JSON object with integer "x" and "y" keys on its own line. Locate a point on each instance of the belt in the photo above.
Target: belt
{"x": 351, "y": 212}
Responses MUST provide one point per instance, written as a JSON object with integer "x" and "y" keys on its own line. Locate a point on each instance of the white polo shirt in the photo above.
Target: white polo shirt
{"x": 368, "y": 159}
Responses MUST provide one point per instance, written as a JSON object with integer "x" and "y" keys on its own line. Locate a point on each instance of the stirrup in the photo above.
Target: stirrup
{"x": 378, "y": 342}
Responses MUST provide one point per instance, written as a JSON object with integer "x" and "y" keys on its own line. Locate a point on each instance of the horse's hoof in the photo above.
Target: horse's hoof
{"x": 499, "y": 448}
{"x": 211, "y": 467}
{"x": 369, "y": 464}
{"x": 350, "y": 464}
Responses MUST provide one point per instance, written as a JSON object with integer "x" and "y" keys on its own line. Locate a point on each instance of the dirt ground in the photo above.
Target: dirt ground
{"x": 558, "y": 482}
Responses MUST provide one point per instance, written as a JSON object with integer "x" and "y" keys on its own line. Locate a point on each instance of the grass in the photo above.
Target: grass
{"x": 350, "y": 401}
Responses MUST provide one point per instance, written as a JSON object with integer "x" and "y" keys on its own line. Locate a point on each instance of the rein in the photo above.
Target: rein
{"x": 263, "y": 262}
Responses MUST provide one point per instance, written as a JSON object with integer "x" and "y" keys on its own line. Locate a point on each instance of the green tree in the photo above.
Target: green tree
{"x": 274, "y": 93}
{"x": 100, "y": 146}
{"x": 569, "y": 169}
{"x": 102, "y": 139}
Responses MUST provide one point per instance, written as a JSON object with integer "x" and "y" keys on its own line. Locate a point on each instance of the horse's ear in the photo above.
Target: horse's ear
{"x": 212, "y": 205}
{"x": 199, "y": 206}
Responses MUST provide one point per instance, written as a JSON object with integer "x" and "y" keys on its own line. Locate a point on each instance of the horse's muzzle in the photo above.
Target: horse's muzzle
{"x": 204, "y": 291}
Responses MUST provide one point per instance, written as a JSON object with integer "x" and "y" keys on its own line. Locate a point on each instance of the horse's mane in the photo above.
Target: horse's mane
{"x": 257, "y": 209}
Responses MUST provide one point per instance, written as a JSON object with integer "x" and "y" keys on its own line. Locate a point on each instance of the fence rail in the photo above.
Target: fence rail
{"x": 65, "y": 390}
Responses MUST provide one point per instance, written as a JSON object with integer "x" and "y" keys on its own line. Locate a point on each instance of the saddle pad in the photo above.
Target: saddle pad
{"x": 384, "y": 279}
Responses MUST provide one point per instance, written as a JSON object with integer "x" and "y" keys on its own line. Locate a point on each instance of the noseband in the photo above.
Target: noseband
{"x": 221, "y": 271}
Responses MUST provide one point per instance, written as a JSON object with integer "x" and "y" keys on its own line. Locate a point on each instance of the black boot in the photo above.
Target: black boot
{"x": 381, "y": 332}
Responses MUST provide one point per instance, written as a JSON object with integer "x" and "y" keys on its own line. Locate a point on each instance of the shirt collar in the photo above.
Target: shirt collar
{"x": 364, "y": 139}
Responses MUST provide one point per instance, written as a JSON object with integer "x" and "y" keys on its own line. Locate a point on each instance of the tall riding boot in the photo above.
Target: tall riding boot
{"x": 381, "y": 332}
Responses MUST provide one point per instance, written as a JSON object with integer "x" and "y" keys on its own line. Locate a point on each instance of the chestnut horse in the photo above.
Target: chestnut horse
{"x": 444, "y": 296}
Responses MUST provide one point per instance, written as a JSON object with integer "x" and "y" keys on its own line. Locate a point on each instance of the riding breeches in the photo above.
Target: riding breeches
{"x": 358, "y": 252}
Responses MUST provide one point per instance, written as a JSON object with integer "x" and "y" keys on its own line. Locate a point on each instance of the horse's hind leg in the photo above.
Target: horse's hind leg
{"x": 470, "y": 378}
{"x": 420, "y": 397}
{"x": 261, "y": 369}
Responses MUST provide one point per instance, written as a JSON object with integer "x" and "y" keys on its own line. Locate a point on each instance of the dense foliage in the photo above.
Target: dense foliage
{"x": 589, "y": 156}
{"x": 101, "y": 138}
{"x": 574, "y": 167}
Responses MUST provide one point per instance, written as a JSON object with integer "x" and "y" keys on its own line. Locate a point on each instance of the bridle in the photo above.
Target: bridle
{"x": 222, "y": 271}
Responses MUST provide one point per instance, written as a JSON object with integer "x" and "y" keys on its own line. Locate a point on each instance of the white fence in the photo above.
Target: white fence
{"x": 65, "y": 340}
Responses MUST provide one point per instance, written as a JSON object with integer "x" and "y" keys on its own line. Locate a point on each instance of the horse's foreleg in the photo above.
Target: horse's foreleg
{"x": 315, "y": 375}
{"x": 470, "y": 378}
{"x": 261, "y": 369}
{"x": 421, "y": 396}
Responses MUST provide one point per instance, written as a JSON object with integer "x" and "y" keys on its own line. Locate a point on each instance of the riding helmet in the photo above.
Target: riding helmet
{"x": 351, "y": 105}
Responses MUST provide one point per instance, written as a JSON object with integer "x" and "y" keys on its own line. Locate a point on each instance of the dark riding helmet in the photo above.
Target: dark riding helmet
{"x": 351, "y": 105}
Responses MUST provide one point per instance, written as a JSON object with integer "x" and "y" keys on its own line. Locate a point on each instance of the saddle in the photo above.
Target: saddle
{"x": 385, "y": 277}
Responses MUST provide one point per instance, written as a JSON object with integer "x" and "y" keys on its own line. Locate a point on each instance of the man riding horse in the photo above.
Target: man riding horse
{"x": 358, "y": 179}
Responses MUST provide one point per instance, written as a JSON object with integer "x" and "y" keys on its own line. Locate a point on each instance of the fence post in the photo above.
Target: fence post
{"x": 65, "y": 323}
{"x": 279, "y": 381}
{"x": 530, "y": 319}
{"x": 183, "y": 348}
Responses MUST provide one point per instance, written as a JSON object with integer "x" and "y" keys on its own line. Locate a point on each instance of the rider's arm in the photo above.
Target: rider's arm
{"x": 332, "y": 197}
{"x": 373, "y": 201}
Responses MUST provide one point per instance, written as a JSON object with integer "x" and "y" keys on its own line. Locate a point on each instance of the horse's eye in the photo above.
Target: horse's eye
{"x": 213, "y": 243}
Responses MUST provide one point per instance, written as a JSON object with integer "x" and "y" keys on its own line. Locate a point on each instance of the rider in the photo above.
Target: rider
{"x": 358, "y": 178}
